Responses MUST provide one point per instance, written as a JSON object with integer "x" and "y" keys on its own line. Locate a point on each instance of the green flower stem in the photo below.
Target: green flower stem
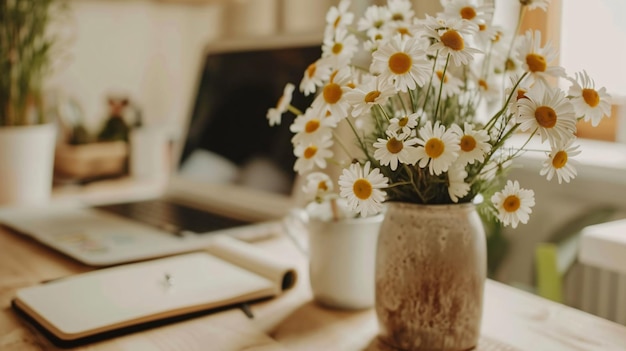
{"x": 360, "y": 141}
{"x": 409, "y": 171}
{"x": 430, "y": 82}
{"x": 296, "y": 111}
{"x": 443, "y": 77}
{"x": 493, "y": 119}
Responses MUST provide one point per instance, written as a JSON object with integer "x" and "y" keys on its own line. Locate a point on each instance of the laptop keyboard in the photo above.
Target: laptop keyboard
{"x": 172, "y": 217}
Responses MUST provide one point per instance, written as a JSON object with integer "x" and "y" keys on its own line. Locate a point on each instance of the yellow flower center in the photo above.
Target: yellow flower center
{"x": 483, "y": 84}
{"x": 442, "y": 77}
{"x": 351, "y": 85}
{"x": 400, "y": 63}
{"x": 312, "y": 125}
{"x": 559, "y": 160}
{"x": 536, "y": 63}
{"x": 591, "y": 97}
{"x": 310, "y": 151}
{"x": 434, "y": 147}
{"x": 497, "y": 37}
{"x": 372, "y": 96}
{"x": 378, "y": 24}
{"x": 468, "y": 143}
{"x": 403, "y": 31}
{"x": 310, "y": 71}
{"x": 403, "y": 121}
{"x": 397, "y": 17}
{"x": 394, "y": 145}
{"x": 332, "y": 93}
{"x": 482, "y": 27}
{"x": 337, "y": 48}
{"x": 521, "y": 94}
{"x": 453, "y": 40}
{"x": 510, "y": 65}
{"x": 322, "y": 186}
{"x": 512, "y": 203}
{"x": 468, "y": 12}
{"x": 545, "y": 116}
{"x": 362, "y": 189}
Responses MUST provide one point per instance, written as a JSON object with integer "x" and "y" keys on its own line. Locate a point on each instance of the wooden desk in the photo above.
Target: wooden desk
{"x": 513, "y": 320}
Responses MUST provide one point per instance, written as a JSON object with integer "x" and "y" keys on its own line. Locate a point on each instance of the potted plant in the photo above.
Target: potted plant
{"x": 27, "y": 136}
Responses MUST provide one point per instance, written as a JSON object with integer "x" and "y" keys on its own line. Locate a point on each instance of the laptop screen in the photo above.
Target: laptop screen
{"x": 229, "y": 138}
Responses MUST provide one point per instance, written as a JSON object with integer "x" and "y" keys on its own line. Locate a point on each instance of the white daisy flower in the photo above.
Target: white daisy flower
{"x": 375, "y": 38}
{"x": 332, "y": 97}
{"x": 339, "y": 48}
{"x": 457, "y": 187}
{"x": 451, "y": 84}
{"x": 536, "y": 59}
{"x": 474, "y": 144}
{"x": 559, "y": 162}
{"x": 373, "y": 20}
{"x": 501, "y": 60}
{"x": 487, "y": 34}
{"x": 535, "y": 4}
{"x": 489, "y": 88}
{"x": 401, "y": 10}
{"x": 520, "y": 93}
{"x": 494, "y": 168}
{"x": 274, "y": 115}
{"x": 549, "y": 111}
{"x": 312, "y": 154}
{"x": 396, "y": 148}
{"x": 373, "y": 91}
{"x": 317, "y": 186}
{"x": 439, "y": 147}
{"x": 339, "y": 16}
{"x": 468, "y": 10}
{"x": 361, "y": 189}
{"x": 588, "y": 102}
{"x": 450, "y": 38}
{"x": 403, "y": 123}
{"x": 396, "y": 27}
{"x": 314, "y": 76}
{"x": 513, "y": 204}
{"x": 401, "y": 61}
{"x": 310, "y": 127}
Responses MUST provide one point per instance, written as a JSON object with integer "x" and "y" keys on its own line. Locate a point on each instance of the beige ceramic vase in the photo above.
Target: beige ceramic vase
{"x": 430, "y": 275}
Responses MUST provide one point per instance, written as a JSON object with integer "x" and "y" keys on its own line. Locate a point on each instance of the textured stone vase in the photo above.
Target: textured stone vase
{"x": 431, "y": 266}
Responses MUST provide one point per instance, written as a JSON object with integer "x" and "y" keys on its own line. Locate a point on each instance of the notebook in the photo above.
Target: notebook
{"x": 112, "y": 301}
{"x": 234, "y": 176}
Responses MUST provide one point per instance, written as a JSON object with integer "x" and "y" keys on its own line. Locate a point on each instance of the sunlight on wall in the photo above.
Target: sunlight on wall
{"x": 594, "y": 39}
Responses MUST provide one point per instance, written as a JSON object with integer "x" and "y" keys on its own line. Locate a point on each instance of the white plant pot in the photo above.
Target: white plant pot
{"x": 342, "y": 257}
{"x": 26, "y": 164}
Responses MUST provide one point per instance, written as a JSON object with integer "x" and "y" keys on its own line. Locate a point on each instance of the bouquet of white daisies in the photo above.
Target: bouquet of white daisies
{"x": 411, "y": 93}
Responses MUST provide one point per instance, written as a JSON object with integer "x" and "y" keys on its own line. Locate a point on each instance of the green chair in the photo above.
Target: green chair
{"x": 555, "y": 257}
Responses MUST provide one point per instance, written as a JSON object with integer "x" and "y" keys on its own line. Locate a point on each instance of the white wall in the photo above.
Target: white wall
{"x": 147, "y": 50}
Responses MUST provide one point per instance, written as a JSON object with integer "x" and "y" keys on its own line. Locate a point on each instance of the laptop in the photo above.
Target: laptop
{"x": 234, "y": 172}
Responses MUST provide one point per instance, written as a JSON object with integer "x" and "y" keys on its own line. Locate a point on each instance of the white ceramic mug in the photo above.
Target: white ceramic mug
{"x": 342, "y": 257}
